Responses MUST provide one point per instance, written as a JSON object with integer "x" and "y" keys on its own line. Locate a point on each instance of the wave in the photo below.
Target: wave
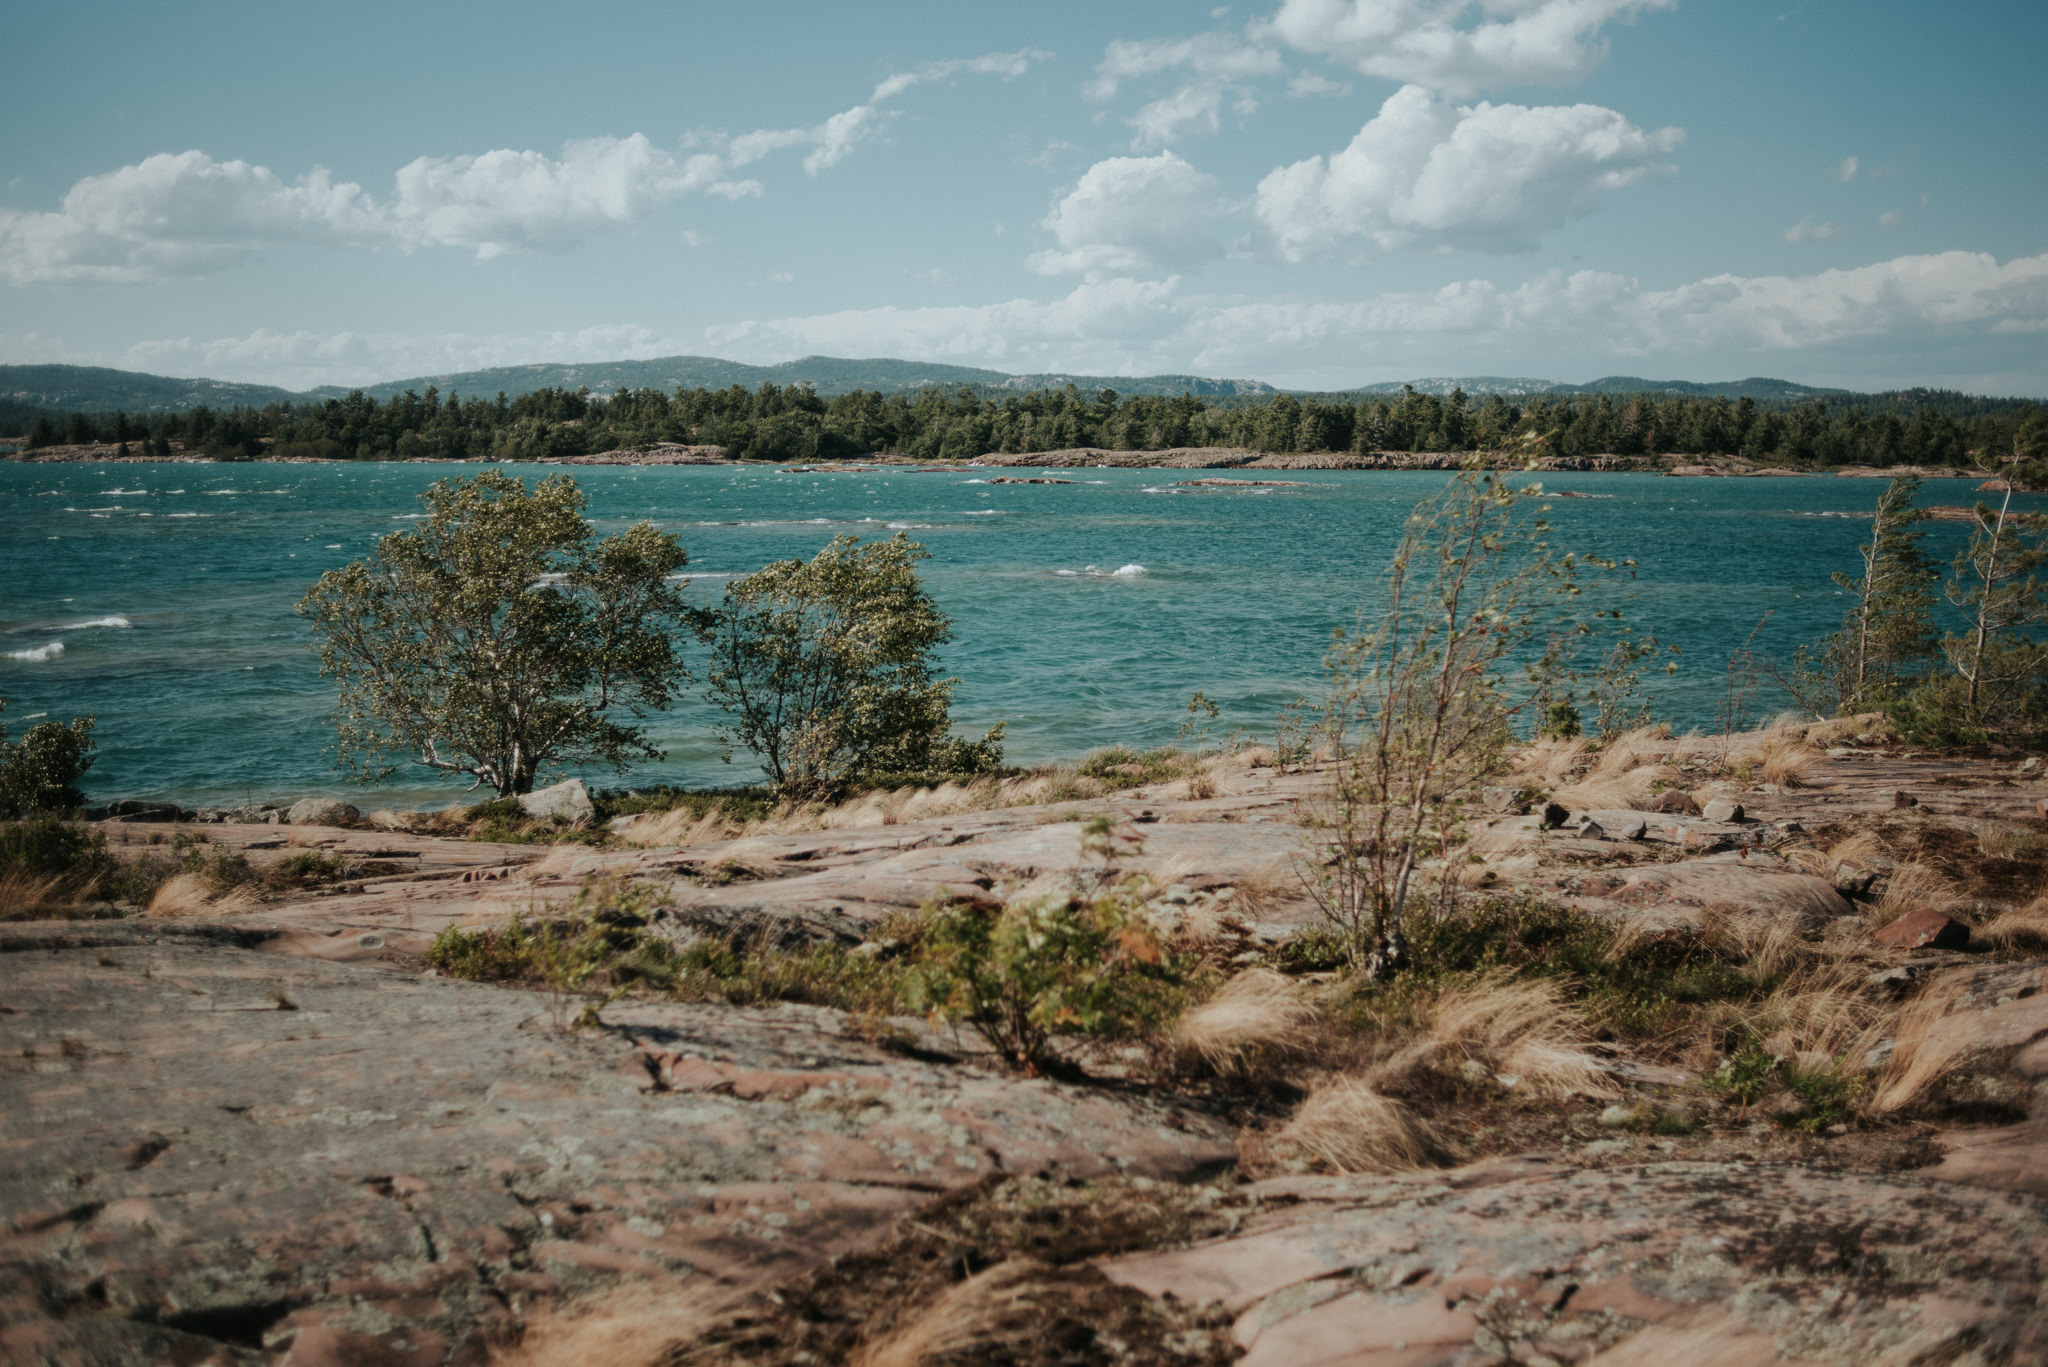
{"x": 187, "y": 514}
{"x": 118, "y": 622}
{"x": 984, "y": 512}
{"x": 113, "y": 492}
{"x": 1131, "y": 571}
{"x": 39, "y": 654}
{"x": 221, "y": 493}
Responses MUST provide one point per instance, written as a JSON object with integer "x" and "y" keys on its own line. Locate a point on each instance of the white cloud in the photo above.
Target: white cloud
{"x": 1219, "y": 56}
{"x": 1213, "y": 68}
{"x": 186, "y": 214}
{"x": 1308, "y": 84}
{"x": 1845, "y": 172}
{"x": 1892, "y": 308}
{"x": 1132, "y": 214}
{"x": 1190, "y": 110}
{"x": 1809, "y": 229}
{"x": 1427, "y": 173}
{"x": 1429, "y": 42}
{"x": 1123, "y": 326}
{"x": 1891, "y": 218}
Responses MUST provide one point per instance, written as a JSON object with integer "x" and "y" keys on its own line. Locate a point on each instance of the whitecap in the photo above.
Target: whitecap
{"x": 1129, "y": 572}
{"x": 216, "y": 493}
{"x": 184, "y": 514}
{"x": 420, "y": 517}
{"x": 124, "y": 491}
{"x": 974, "y": 481}
{"x": 985, "y": 512}
{"x": 40, "y": 653}
{"x": 97, "y": 622}
{"x": 910, "y": 526}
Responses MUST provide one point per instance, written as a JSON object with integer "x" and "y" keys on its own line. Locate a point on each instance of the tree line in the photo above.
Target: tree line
{"x": 794, "y": 423}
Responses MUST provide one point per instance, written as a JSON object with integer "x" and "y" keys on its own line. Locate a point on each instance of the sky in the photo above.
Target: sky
{"x": 1315, "y": 193}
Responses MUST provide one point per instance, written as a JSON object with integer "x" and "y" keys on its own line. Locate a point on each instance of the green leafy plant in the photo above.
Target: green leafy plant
{"x": 500, "y": 637}
{"x": 1743, "y": 1077}
{"x": 825, "y": 667}
{"x": 1083, "y": 962}
{"x": 40, "y": 772}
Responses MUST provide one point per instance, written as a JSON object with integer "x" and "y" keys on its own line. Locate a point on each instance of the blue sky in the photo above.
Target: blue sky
{"x": 1320, "y": 193}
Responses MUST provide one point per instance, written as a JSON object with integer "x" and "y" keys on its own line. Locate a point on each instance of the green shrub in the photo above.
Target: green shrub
{"x": 1743, "y": 1077}
{"x": 1080, "y": 963}
{"x": 40, "y": 772}
{"x": 45, "y": 845}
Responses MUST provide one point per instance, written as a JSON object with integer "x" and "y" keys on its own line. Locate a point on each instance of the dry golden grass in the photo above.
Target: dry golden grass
{"x": 1693, "y": 748}
{"x": 1912, "y": 886}
{"x": 190, "y": 894}
{"x": 1517, "y": 1029}
{"x": 2022, "y": 929}
{"x": 1922, "y": 1051}
{"x": 632, "y": 1325}
{"x": 1789, "y": 763}
{"x": 1548, "y": 764}
{"x": 1259, "y": 1016}
{"x": 23, "y": 895}
{"x": 1003, "y": 1308}
{"x": 1265, "y": 890}
{"x": 1348, "y": 1127}
{"x": 2006, "y": 842}
{"x": 1625, "y": 789}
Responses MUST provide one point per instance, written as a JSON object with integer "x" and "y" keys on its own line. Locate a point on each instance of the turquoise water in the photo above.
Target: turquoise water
{"x": 159, "y": 597}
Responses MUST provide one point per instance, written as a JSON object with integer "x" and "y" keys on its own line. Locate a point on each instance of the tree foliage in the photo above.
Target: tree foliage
{"x": 825, "y": 668}
{"x": 40, "y": 772}
{"x": 500, "y": 637}
{"x": 1888, "y": 635}
{"x": 1420, "y": 702}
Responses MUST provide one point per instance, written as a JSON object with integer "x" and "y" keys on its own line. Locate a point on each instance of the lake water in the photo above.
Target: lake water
{"x": 159, "y": 597}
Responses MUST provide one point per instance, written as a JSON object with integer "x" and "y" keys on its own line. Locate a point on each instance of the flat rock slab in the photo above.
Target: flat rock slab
{"x": 1666, "y": 1263}
{"x": 209, "y": 1154}
{"x": 1681, "y": 896}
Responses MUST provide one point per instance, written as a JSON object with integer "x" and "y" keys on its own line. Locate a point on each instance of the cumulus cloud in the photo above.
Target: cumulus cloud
{"x": 1845, "y": 172}
{"x": 1461, "y": 47}
{"x": 1127, "y": 326}
{"x": 1428, "y": 173}
{"x": 187, "y": 214}
{"x": 1132, "y": 214}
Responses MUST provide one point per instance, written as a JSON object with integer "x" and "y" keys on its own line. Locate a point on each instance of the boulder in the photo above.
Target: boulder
{"x": 1924, "y": 928}
{"x": 1722, "y": 809}
{"x": 1555, "y": 814}
{"x": 256, "y": 814}
{"x": 567, "y": 801}
{"x": 321, "y": 811}
{"x": 1675, "y": 802}
{"x": 133, "y": 809}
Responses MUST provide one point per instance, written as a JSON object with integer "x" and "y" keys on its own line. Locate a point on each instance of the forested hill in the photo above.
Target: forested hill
{"x": 60, "y": 389}
{"x": 794, "y": 422}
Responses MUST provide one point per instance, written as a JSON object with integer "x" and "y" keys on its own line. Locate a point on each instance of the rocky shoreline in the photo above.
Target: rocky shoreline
{"x": 1180, "y": 458}
{"x": 260, "y": 1133}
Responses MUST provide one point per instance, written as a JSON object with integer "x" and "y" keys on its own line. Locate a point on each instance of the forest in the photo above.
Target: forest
{"x": 793, "y": 423}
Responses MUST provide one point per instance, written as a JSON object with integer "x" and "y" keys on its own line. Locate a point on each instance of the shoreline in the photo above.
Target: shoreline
{"x": 1089, "y": 457}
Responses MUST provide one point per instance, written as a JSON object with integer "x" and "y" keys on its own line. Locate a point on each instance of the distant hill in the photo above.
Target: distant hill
{"x": 97, "y": 389}
{"x": 30, "y": 391}
{"x": 1479, "y": 386}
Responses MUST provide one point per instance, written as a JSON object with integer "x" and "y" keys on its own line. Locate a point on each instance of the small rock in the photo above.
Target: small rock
{"x": 1722, "y": 809}
{"x": 2041, "y": 806}
{"x": 1791, "y": 828}
{"x": 1589, "y": 829}
{"x": 1617, "y": 1117}
{"x": 566, "y": 801}
{"x": 1853, "y": 879}
{"x": 1675, "y": 802}
{"x": 321, "y": 811}
{"x": 1902, "y": 798}
{"x": 1924, "y": 928}
{"x": 1633, "y": 828}
{"x": 1505, "y": 800}
{"x": 2031, "y": 765}
{"x": 1555, "y": 814}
